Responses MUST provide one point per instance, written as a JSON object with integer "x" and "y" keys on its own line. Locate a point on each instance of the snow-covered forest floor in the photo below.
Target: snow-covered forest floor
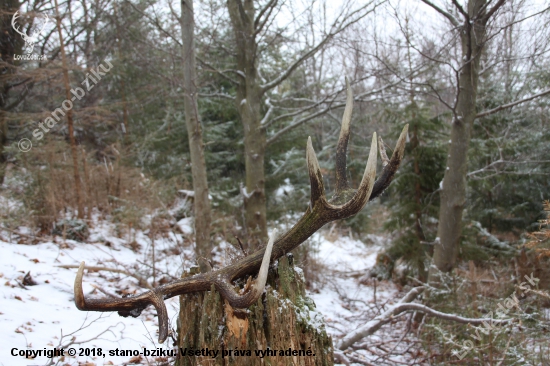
{"x": 37, "y": 309}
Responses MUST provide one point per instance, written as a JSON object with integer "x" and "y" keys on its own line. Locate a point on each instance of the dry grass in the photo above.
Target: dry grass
{"x": 540, "y": 240}
{"x": 108, "y": 186}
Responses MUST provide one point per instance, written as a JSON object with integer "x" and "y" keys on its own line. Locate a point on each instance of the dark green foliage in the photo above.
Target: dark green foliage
{"x": 413, "y": 198}
{"x": 509, "y": 165}
{"x": 287, "y": 186}
{"x": 71, "y": 229}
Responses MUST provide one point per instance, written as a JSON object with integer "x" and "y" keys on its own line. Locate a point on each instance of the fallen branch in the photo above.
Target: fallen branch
{"x": 406, "y": 305}
{"x": 18, "y": 233}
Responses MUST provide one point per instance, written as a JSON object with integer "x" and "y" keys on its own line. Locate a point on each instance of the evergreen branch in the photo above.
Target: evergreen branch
{"x": 222, "y": 73}
{"x": 156, "y": 23}
{"x": 510, "y": 105}
{"x": 217, "y": 95}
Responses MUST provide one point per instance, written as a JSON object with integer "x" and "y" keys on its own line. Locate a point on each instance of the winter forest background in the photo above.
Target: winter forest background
{"x": 160, "y": 139}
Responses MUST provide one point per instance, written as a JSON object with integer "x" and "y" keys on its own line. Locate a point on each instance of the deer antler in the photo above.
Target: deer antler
{"x": 46, "y": 20}
{"x": 14, "y": 25}
{"x": 346, "y": 202}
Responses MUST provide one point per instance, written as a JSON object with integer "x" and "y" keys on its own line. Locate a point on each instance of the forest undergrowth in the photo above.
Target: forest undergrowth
{"x": 506, "y": 287}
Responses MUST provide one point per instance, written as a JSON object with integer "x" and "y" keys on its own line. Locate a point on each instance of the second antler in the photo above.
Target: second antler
{"x": 345, "y": 202}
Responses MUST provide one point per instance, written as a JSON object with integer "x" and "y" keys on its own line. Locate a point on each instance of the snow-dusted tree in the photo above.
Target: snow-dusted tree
{"x": 471, "y": 25}
{"x": 257, "y": 74}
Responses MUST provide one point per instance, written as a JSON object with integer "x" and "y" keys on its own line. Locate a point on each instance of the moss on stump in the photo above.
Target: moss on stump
{"x": 283, "y": 318}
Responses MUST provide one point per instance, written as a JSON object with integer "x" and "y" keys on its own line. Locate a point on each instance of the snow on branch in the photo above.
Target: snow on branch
{"x": 510, "y": 105}
{"x": 405, "y": 305}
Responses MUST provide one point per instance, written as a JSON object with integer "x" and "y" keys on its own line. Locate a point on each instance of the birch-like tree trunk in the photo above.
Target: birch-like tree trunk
{"x": 248, "y": 100}
{"x": 248, "y": 20}
{"x": 194, "y": 132}
{"x": 473, "y": 36}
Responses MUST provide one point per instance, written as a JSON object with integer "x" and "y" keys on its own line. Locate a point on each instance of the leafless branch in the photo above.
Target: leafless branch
{"x": 493, "y": 10}
{"x": 406, "y": 305}
{"x": 447, "y": 15}
{"x": 285, "y": 74}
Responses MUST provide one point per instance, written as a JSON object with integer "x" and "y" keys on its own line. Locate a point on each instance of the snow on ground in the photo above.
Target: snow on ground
{"x": 348, "y": 298}
{"x": 44, "y": 315}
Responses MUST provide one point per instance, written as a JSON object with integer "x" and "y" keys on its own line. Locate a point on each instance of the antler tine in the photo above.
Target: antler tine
{"x": 79, "y": 299}
{"x": 46, "y": 20}
{"x": 315, "y": 175}
{"x": 370, "y": 169}
{"x": 160, "y": 306}
{"x": 342, "y": 147}
{"x": 361, "y": 196}
{"x": 257, "y": 288}
{"x": 125, "y": 306}
{"x": 259, "y": 285}
{"x": 16, "y": 16}
{"x": 345, "y": 203}
{"x": 391, "y": 168}
{"x": 133, "y": 306}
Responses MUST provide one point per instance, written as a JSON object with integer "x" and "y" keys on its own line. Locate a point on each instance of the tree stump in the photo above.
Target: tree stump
{"x": 282, "y": 328}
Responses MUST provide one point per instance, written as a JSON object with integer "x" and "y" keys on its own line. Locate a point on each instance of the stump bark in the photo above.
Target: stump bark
{"x": 283, "y": 321}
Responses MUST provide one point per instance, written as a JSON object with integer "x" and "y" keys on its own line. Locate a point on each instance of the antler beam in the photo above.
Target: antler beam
{"x": 346, "y": 202}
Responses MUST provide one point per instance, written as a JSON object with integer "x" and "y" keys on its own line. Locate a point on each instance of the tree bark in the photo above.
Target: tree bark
{"x": 283, "y": 318}
{"x": 9, "y": 43}
{"x": 122, "y": 85}
{"x": 473, "y": 33}
{"x": 74, "y": 153}
{"x": 249, "y": 97}
{"x": 194, "y": 132}
{"x": 3, "y": 143}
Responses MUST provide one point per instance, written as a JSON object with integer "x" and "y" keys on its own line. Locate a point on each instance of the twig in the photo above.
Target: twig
{"x": 241, "y": 245}
{"x": 358, "y": 360}
{"x": 340, "y": 357}
{"x": 103, "y": 291}
{"x": 383, "y": 154}
{"x": 540, "y": 293}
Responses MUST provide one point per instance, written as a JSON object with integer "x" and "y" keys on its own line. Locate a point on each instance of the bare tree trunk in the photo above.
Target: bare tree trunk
{"x": 473, "y": 33}
{"x": 9, "y": 42}
{"x": 249, "y": 96}
{"x": 194, "y": 132}
{"x": 3, "y": 142}
{"x": 74, "y": 153}
{"x": 122, "y": 86}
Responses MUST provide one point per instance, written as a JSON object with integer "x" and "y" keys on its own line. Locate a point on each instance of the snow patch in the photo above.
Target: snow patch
{"x": 186, "y": 225}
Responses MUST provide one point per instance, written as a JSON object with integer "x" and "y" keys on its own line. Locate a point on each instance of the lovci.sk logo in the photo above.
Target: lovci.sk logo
{"x": 30, "y": 40}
